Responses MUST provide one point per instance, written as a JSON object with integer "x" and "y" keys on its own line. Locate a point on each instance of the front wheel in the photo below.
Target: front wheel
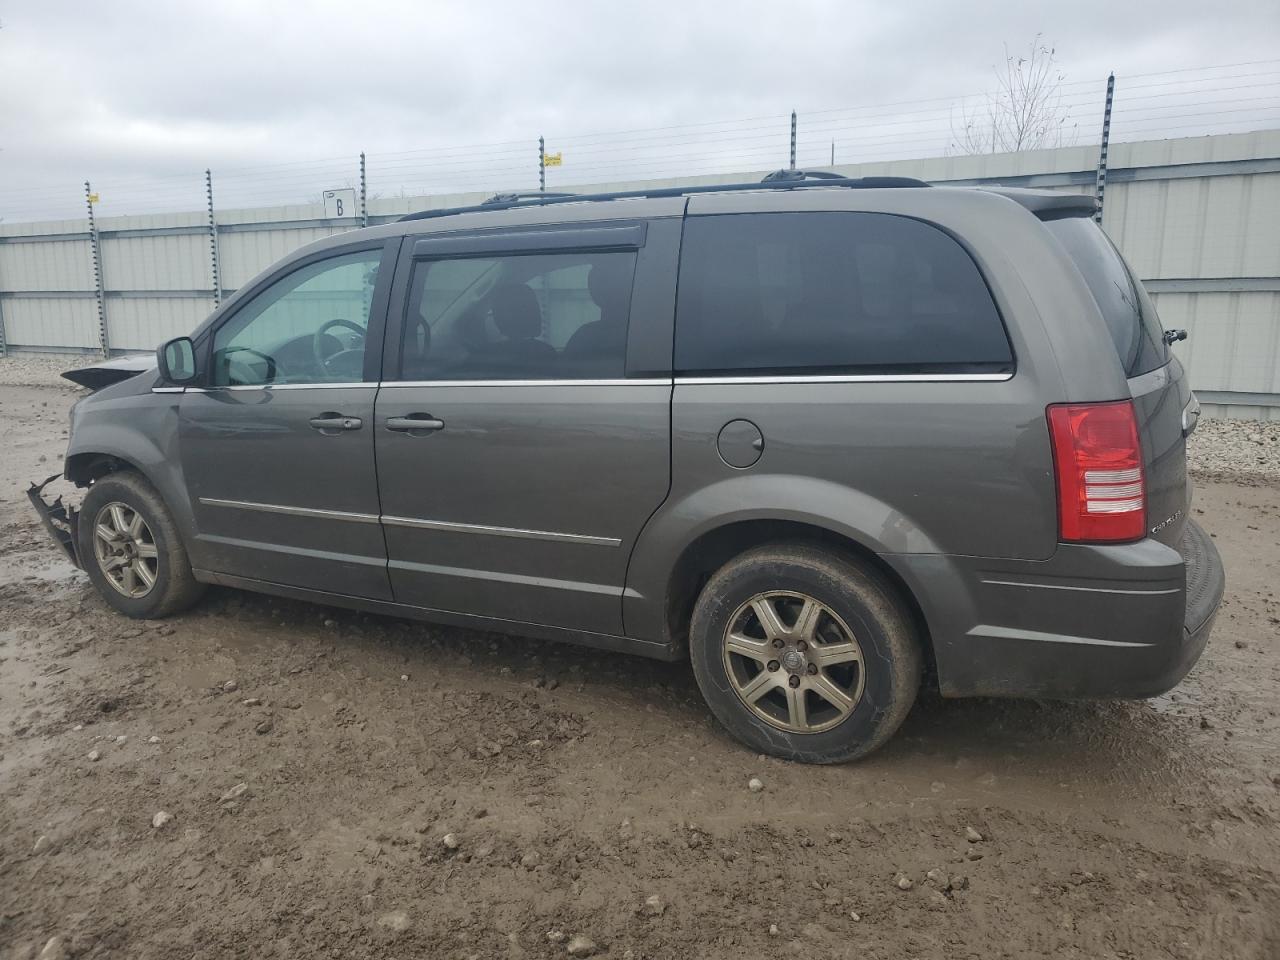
{"x": 131, "y": 549}
{"x": 805, "y": 654}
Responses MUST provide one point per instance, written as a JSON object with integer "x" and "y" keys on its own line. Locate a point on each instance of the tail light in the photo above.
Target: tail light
{"x": 1102, "y": 493}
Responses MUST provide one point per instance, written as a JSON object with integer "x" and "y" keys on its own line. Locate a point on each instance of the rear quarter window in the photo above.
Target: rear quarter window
{"x": 1131, "y": 316}
{"x": 831, "y": 292}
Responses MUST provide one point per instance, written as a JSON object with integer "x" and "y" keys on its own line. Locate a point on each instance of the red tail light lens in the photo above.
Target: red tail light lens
{"x": 1102, "y": 493}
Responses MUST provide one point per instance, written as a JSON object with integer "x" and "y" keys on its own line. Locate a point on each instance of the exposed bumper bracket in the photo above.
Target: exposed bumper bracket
{"x": 59, "y": 519}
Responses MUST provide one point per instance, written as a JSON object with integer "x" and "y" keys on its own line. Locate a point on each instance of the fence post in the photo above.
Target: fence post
{"x": 793, "y": 139}
{"x": 1100, "y": 184}
{"x": 213, "y": 241}
{"x": 104, "y": 340}
{"x": 364, "y": 194}
{"x": 542, "y": 165}
{"x": 4, "y": 348}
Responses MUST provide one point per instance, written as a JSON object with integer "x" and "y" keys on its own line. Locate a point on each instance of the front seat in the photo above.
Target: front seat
{"x": 518, "y": 318}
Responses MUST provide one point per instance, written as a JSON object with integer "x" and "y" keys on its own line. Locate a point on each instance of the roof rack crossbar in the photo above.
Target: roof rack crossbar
{"x": 792, "y": 175}
{"x": 546, "y": 199}
{"x": 527, "y": 195}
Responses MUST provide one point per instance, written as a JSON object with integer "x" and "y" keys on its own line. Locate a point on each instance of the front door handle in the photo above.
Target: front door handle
{"x": 415, "y": 423}
{"x": 328, "y": 422}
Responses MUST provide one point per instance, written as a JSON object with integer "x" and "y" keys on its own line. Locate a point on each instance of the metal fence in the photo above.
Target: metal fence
{"x": 1198, "y": 216}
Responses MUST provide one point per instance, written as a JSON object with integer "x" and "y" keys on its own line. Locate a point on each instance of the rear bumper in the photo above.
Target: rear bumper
{"x": 1094, "y": 621}
{"x": 59, "y": 519}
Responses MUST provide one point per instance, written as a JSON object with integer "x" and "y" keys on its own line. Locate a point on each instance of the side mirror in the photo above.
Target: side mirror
{"x": 177, "y": 361}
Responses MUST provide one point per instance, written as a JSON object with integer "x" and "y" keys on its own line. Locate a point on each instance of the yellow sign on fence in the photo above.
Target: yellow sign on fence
{"x": 553, "y": 160}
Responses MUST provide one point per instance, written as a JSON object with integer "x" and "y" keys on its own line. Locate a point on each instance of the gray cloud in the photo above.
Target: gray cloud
{"x": 142, "y": 96}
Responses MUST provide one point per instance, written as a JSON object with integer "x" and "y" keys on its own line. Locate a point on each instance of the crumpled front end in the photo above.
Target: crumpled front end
{"x": 59, "y": 519}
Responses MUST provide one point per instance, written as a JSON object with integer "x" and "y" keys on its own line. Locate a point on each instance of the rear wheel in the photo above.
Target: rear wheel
{"x": 131, "y": 549}
{"x": 805, "y": 654}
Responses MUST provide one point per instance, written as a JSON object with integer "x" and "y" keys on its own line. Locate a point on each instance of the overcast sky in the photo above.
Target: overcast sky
{"x": 141, "y": 97}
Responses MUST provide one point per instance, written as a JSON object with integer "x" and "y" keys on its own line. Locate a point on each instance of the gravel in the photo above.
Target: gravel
{"x": 42, "y": 369}
{"x": 1236, "y": 451}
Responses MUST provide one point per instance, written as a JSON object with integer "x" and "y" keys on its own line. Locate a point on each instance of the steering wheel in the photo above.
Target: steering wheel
{"x": 327, "y": 363}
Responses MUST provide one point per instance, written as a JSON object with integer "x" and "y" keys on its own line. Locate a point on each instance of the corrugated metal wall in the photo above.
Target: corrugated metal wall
{"x": 1199, "y": 218}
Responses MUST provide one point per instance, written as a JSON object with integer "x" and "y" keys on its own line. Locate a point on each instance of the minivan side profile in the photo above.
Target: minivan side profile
{"x": 823, "y": 437}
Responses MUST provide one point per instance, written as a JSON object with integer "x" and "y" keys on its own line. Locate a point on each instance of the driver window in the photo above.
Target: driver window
{"x": 307, "y": 327}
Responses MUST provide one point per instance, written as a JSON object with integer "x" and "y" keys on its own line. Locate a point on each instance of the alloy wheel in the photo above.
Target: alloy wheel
{"x": 125, "y": 550}
{"x": 793, "y": 662}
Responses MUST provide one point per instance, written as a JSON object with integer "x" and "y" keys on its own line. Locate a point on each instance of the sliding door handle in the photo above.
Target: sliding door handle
{"x": 415, "y": 423}
{"x": 327, "y": 422}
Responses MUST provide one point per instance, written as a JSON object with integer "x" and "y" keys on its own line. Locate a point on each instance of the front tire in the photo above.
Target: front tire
{"x": 131, "y": 549}
{"x": 805, "y": 654}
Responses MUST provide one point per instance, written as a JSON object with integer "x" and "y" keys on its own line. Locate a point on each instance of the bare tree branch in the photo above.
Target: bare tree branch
{"x": 1024, "y": 112}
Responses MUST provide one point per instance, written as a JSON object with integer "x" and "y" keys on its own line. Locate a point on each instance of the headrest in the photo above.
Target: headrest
{"x": 516, "y": 313}
{"x": 609, "y": 281}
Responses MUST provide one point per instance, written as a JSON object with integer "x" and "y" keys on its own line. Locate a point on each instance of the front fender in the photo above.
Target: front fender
{"x": 684, "y": 518}
{"x": 140, "y": 430}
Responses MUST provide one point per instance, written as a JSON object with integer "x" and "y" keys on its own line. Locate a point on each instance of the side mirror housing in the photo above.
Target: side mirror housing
{"x": 177, "y": 361}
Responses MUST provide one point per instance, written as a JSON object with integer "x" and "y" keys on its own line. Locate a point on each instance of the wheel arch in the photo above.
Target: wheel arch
{"x": 86, "y": 466}
{"x": 713, "y": 548}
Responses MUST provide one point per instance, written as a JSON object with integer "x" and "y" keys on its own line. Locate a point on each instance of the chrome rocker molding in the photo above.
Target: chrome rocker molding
{"x": 450, "y": 527}
{"x": 291, "y": 511}
{"x": 415, "y": 523}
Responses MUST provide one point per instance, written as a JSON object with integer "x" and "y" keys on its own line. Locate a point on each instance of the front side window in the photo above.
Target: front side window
{"x": 831, "y": 292}
{"x": 525, "y": 317}
{"x": 307, "y": 327}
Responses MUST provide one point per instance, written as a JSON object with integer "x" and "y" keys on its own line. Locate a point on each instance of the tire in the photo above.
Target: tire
{"x": 832, "y": 698}
{"x": 157, "y": 549}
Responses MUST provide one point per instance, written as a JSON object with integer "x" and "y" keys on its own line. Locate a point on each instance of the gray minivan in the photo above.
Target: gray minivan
{"x": 824, "y": 437}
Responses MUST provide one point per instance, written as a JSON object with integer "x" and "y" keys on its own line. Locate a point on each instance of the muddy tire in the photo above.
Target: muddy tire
{"x": 805, "y": 654}
{"x": 131, "y": 549}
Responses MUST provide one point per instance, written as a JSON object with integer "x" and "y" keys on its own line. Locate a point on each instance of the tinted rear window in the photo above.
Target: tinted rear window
{"x": 835, "y": 292}
{"x": 1131, "y": 316}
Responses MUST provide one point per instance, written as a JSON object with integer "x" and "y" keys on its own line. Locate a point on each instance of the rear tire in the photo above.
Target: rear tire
{"x": 131, "y": 549}
{"x": 805, "y": 654}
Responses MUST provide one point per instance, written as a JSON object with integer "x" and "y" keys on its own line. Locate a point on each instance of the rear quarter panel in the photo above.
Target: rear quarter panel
{"x": 934, "y": 468}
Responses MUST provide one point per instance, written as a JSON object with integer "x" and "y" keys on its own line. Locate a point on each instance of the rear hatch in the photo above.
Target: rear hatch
{"x": 1162, "y": 398}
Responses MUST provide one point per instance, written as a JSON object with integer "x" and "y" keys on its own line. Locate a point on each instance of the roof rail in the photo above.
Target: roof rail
{"x": 516, "y": 197}
{"x": 500, "y": 202}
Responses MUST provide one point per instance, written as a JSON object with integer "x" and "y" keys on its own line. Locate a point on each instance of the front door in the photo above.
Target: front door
{"x": 277, "y": 448}
{"x": 518, "y": 454}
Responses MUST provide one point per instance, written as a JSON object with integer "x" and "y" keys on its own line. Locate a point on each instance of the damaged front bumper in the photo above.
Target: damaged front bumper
{"x": 59, "y": 519}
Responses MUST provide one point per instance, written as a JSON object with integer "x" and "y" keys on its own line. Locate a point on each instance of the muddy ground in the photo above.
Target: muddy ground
{"x": 382, "y": 789}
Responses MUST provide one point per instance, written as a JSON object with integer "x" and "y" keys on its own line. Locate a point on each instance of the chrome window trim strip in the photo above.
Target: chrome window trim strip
{"x": 291, "y": 511}
{"x": 450, "y": 527}
{"x": 286, "y": 386}
{"x": 618, "y": 382}
{"x": 853, "y": 378}
{"x": 168, "y": 389}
